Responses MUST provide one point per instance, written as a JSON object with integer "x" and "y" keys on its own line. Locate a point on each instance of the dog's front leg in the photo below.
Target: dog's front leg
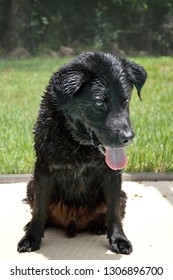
{"x": 117, "y": 239}
{"x": 35, "y": 231}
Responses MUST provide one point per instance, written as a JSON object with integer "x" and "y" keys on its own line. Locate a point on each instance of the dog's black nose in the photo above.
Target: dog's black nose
{"x": 126, "y": 137}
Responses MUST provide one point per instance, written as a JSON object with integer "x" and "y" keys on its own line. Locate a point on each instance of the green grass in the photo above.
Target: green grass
{"x": 23, "y": 82}
{"x": 152, "y": 119}
{"x": 21, "y": 86}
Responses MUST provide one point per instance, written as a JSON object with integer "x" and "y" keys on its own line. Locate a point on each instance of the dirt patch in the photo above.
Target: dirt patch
{"x": 19, "y": 53}
{"x": 66, "y": 51}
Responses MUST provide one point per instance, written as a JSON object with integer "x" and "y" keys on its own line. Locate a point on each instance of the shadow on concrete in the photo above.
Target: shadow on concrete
{"x": 84, "y": 246}
{"x": 148, "y": 219}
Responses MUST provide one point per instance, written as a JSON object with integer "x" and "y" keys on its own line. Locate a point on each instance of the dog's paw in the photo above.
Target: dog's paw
{"x": 99, "y": 229}
{"x": 121, "y": 245}
{"x": 71, "y": 229}
{"x": 28, "y": 244}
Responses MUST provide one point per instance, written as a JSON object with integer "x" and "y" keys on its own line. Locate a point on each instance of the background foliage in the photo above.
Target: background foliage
{"x": 111, "y": 25}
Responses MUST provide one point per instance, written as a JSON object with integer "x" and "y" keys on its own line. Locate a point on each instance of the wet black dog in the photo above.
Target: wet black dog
{"x": 80, "y": 134}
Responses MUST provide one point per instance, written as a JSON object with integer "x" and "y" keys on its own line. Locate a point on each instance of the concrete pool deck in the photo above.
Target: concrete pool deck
{"x": 148, "y": 224}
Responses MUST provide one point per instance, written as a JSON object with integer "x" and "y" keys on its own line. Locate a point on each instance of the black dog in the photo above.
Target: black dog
{"x": 80, "y": 134}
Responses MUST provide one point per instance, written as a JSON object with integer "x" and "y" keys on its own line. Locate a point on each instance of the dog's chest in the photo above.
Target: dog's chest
{"x": 78, "y": 185}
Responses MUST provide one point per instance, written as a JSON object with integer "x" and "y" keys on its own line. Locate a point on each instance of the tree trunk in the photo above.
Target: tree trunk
{"x": 11, "y": 38}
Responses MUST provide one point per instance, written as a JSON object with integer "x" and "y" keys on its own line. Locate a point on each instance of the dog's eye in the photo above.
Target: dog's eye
{"x": 126, "y": 102}
{"x": 99, "y": 103}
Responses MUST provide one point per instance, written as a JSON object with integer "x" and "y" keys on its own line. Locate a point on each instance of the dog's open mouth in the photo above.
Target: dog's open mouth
{"x": 115, "y": 158}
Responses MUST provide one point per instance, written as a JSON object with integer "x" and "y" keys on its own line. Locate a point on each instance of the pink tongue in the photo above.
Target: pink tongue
{"x": 116, "y": 158}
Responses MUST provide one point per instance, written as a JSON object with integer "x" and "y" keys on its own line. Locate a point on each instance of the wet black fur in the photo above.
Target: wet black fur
{"x": 84, "y": 109}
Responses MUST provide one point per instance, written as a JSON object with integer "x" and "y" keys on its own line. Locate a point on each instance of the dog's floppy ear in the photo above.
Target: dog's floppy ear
{"x": 67, "y": 81}
{"x": 136, "y": 74}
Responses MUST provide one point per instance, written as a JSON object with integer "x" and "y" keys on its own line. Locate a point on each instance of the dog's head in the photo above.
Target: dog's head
{"x": 94, "y": 92}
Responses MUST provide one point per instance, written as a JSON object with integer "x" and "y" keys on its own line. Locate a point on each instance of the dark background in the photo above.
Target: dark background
{"x": 143, "y": 27}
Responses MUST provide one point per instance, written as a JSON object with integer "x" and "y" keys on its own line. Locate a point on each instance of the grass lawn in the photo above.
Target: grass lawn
{"x": 22, "y": 84}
